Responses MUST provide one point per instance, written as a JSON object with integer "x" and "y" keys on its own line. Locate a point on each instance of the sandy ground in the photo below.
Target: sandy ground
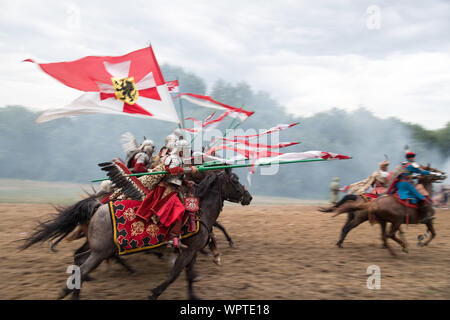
{"x": 282, "y": 252}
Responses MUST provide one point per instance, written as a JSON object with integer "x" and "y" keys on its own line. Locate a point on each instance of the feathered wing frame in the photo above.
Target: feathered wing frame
{"x": 129, "y": 142}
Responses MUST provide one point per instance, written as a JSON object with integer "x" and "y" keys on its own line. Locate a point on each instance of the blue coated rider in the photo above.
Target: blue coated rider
{"x": 406, "y": 189}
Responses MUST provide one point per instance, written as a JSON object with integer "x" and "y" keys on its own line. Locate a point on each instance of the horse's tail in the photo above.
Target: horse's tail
{"x": 350, "y": 207}
{"x": 63, "y": 223}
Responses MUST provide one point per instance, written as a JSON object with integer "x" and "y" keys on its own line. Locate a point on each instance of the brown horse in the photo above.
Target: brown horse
{"x": 387, "y": 209}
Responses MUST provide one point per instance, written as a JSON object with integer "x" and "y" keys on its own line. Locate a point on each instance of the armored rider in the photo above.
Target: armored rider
{"x": 140, "y": 160}
{"x": 175, "y": 165}
{"x": 171, "y": 139}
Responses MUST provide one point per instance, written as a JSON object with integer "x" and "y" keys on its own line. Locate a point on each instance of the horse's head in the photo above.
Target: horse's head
{"x": 225, "y": 183}
{"x": 233, "y": 190}
{"x": 435, "y": 176}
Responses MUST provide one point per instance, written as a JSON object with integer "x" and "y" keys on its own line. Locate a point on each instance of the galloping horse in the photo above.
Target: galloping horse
{"x": 212, "y": 192}
{"x": 387, "y": 208}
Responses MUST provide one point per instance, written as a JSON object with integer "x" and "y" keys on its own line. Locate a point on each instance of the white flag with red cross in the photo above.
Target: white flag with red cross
{"x": 131, "y": 84}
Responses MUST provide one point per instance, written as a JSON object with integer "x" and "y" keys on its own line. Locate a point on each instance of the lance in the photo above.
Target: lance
{"x": 202, "y": 168}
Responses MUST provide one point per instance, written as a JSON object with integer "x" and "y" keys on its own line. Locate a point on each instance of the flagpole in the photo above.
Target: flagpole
{"x": 202, "y": 168}
{"x": 181, "y": 110}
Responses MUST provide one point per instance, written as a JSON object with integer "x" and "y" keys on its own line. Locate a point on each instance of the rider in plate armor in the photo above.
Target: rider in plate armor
{"x": 171, "y": 139}
{"x": 140, "y": 160}
{"x": 176, "y": 168}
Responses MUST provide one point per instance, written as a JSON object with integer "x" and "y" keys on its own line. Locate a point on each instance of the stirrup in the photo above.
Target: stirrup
{"x": 175, "y": 242}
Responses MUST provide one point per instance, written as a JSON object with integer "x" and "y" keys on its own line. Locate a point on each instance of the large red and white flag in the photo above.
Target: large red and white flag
{"x": 131, "y": 84}
{"x": 208, "y": 102}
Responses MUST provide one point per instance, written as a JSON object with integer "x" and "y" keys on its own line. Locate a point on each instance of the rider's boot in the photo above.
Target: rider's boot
{"x": 425, "y": 211}
{"x": 175, "y": 235}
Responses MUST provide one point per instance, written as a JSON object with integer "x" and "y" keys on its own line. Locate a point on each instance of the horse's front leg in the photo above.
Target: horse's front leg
{"x": 432, "y": 231}
{"x": 230, "y": 241}
{"x": 182, "y": 261}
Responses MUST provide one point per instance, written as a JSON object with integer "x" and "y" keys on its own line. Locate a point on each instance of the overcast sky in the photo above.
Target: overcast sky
{"x": 392, "y": 57}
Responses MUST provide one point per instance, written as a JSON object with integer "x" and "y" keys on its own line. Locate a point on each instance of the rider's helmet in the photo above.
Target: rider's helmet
{"x": 183, "y": 149}
{"x": 147, "y": 146}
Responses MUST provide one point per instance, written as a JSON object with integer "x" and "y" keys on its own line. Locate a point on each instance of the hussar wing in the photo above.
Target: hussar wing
{"x": 129, "y": 142}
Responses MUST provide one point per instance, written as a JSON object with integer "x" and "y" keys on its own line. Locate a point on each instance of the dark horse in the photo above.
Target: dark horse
{"x": 212, "y": 191}
{"x": 356, "y": 217}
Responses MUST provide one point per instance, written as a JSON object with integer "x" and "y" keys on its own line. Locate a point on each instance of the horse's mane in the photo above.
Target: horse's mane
{"x": 206, "y": 185}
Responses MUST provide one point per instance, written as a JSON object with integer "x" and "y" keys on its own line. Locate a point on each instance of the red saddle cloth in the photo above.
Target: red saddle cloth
{"x": 133, "y": 234}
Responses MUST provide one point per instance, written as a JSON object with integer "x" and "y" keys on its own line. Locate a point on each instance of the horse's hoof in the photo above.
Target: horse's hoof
{"x": 152, "y": 297}
{"x": 405, "y": 250}
{"x": 231, "y": 243}
{"x": 63, "y": 293}
{"x": 88, "y": 278}
{"x": 339, "y": 244}
{"x": 194, "y": 297}
{"x": 197, "y": 278}
{"x": 218, "y": 261}
{"x": 76, "y": 295}
{"x": 420, "y": 244}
